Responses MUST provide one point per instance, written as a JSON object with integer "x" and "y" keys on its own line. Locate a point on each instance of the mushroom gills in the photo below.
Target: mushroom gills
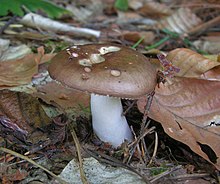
{"x": 107, "y": 120}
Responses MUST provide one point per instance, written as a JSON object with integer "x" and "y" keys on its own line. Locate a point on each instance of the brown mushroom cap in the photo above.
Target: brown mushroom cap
{"x": 105, "y": 69}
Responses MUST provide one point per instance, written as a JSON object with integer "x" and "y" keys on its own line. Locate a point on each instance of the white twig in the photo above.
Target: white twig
{"x": 37, "y": 21}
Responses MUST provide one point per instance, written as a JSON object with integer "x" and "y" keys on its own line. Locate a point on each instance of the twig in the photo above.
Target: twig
{"x": 11, "y": 20}
{"x": 129, "y": 107}
{"x": 189, "y": 176}
{"x": 155, "y": 149}
{"x": 56, "y": 27}
{"x": 133, "y": 150}
{"x": 147, "y": 108}
{"x": 135, "y": 143}
{"x": 82, "y": 173}
{"x": 145, "y": 132}
{"x": 32, "y": 162}
{"x": 202, "y": 27}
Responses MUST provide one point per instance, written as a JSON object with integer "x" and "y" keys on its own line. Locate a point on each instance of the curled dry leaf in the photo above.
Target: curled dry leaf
{"x": 18, "y": 72}
{"x": 213, "y": 74}
{"x": 189, "y": 111}
{"x": 182, "y": 21}
{"x": 191, "y": 64}
{"x": 189, "y": 107}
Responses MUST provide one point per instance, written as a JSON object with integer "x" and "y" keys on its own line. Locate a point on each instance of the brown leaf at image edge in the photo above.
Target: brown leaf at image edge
{"x": 189, "y": 112}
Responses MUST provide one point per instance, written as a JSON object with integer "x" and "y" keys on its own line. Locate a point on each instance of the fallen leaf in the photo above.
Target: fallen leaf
{"x": 9, "y": 175}
{"x": 182, "y": 21}
{"x": 213, "y": 74}
{"x": 189, "y": 111}
{"x": 18, "y": 72}
{"x": 155, "y": 10}
{"x": 24, "y": 122}
{"x": 188, "y": 107}
{"x": 18, "y": 175}
{"x": 41, "y": 57}
{"x": 21, "y": 113}
{"x": 13, "y": 52}
{"x": 133, "y": 36}
{"x": 208, "y": 44}
{"x": 191, "y": 64}
{"x": 62, "y": 97}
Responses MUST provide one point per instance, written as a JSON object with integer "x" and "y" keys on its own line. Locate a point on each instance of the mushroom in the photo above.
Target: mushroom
{"x": 109, "y": 72}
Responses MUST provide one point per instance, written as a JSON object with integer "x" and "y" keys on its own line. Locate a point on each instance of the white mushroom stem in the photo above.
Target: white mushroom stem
{"x": 107, "y": 120}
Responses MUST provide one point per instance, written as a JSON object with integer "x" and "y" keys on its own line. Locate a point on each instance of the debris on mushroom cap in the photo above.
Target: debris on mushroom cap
{"x": 87, "y": 69}
{"x": 115, "y": 73}
{"x": 96, "y": 58}
{"x": 85, "y": 62}
{"x": 105, "y": 50}
{"x": 105, "y": 69}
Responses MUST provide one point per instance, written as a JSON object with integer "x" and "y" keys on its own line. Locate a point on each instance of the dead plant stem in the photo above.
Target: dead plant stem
{"x": 77, "y": 144}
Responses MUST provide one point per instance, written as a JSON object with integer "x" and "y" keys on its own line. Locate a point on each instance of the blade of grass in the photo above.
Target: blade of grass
{"x": 138, "y": 42}
{"x": 157, "y": 44}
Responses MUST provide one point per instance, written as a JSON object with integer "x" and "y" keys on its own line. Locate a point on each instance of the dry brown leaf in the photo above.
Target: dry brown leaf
{"x": 134, "y": 36}
{"x": 213, "y": 74}
{"x": 191, "y": 64}
{"x": 24, "y": 122}
{"x": 18, "y": 72}
{"x": 62, "y": 97}
{"x": 23, "y": 111}
{"x": 188, "y": 107}
{"x": 189, "y": 111}
{"x": 41, "y": 57}
{"x": 182, "y": 21}
{"x": 155, "y": 10}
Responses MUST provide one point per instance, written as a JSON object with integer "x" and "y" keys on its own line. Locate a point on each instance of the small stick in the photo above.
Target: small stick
{"x": 38, "y": 21}
{"x": 189, "y": 176}
{"x": 155, "y": 149}
{"x": 11, "y": 20}
{"x": 130, "y": 106}
{"x": 147, "y": 108}
{"x": 82, "y": 173}
{"x": 202, "y": 27}
{"x": 133, "y": 150}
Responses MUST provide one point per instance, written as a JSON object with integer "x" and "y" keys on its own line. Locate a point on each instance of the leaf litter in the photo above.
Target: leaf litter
{"x": 185, "y": 102}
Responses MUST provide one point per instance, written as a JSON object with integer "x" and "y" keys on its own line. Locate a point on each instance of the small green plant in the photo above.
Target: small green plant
{"x": 157, "y": 170}
{"x": 121, "y": 5}
{"x": 55, "y": 46}
{"x": 17, "y": 7}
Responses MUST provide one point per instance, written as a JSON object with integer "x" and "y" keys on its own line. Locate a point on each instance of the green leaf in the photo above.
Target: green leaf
{"x": 17, "y": 7}
{"x": 121, "y": 5}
